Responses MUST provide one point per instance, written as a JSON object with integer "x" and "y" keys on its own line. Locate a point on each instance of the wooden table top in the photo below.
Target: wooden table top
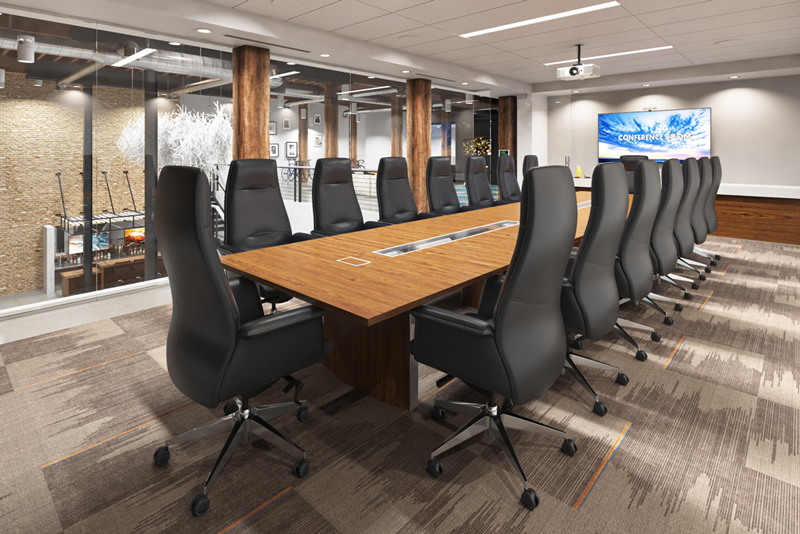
{"x": 387, "y": 286}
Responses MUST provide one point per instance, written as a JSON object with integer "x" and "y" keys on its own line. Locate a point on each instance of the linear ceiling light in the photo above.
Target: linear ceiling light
{"x": 611, "y": 55}
{"x": 133, "y": 57}
{"x": 362, "y": 90}
{"x": 284, "y": 74}
{"x": 541, "y": 19}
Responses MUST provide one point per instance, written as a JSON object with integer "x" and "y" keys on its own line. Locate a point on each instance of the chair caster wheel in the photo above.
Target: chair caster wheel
{"x": 717, "y": 257}
{"x": 622, "y": 379}
{"x": 303, "y": 413}
{"x": 669, "y": 320}
{"x": 435, "y": 467}
{"x": 695, "y": 285}
{"x": 600, "y": 409}
{"x": 529, "y": 499}
{"x": 438, "y": 413}
{"x": 508, "y": 405}
{"x": 200, "y": 505}
{"x": 679, "y": 307}
{"x": 687, "y": 295}
{"x": 577, "y": 344}
{"x": 655, "y": 336}
{"x": 569, "y": 448}
{"x": 641, "y": 355}
{"x": 231, "y": 407}
{"x": 713, "y": 263}
{"x": 708, "y": 270}
{"x": 301, "y": 468}
{"x": 162, "y": 455}
{"x": 702, "y": 278}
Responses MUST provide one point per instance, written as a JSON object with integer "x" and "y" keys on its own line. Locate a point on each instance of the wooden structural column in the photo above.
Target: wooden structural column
{"x": 331, "y": 121}
{"x": 354, "y": 139}
{"x": 250, "y": 102}
{"x": 397, "y": 127}
{"x": 507, "y": 125}
{"x": 418, "y": 119}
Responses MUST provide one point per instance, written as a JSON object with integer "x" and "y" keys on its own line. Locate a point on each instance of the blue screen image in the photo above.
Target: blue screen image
{"x": 660, "y": 135}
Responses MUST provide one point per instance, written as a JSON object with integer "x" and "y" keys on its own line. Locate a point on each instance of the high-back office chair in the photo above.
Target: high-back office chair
{"x": 442, "y": 196}
{"x": 479, "y": 191}
{"x": 664, "y": 248}
{"x": 395, "y": 199}
{"x": 220, "y": 345}
{"x": 699, "y": 222}
{"x": 528, "y": 163}
{"x": 519, "y": 354}
{"x": 507, "y": 179}
{"x": 630, "y": 162}
{"x": 683, "y": 231}
{"x": 590, "y": 297}
{"x": 255, "y": 216}
{"x": 335, "y": 205}
{"x": 710, "y": 212}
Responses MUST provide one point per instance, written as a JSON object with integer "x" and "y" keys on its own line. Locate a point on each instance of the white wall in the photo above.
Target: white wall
{"x": 532, "y": 124}
{"x": 755, "y": 128}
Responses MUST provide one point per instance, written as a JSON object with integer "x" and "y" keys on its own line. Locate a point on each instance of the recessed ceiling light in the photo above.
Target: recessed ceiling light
{"x": 291, "y": 63}
{"x": 173, "y": 43}
{"x": 464, "y": 83}
{"x": 203, "y": 30}
{"x": 576, "y": 91}
{"x": 405, "y": 71}
{"x": 610, "y": 55}
{"x": 324, "y": 55}
{"x": 645, "y": 85}
{"x": 370, "y": 77}
{"x": 733, "y": 77}
{"x": 542, "y": 19}
{"x": 558, "y": 101}
{"x": 133, "y": 57}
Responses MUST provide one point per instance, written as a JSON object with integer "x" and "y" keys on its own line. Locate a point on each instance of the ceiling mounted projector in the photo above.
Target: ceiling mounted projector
{"x": 578, "y": 71}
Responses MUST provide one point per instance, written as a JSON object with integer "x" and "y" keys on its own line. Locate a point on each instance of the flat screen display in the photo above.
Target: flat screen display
{"x": 99, "y": 242}
{"x": 134, "y": 236}
{"x": 659, "y": 135}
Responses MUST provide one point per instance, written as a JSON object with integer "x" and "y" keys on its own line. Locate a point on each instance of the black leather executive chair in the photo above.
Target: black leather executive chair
{"x": 683, "y": 231}
{"x": 664, "y": 248}
{"x": 699, "y": 223}
{"x": 220, "y": 345}
{"x": 395, "y": 199}
{"x": 519, "y": 353}
{"x": 590, "y": 297}
{"x": 479, "y": 190}
{"x": 529, "y": 162}
{"x": 335, "y": 205}
{"x": 507, "y": 179}
{"x": 442, "y": 196}
{"x": 630, "y": 162}
{"x": 710, "y": 212}
{"x": 255, "y": 216}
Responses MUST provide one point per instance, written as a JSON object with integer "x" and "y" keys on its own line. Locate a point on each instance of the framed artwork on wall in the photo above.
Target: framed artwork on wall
{"x": 287, "y": 123}
{"x": 274, "y": 150}
{"x": 291, "y": 150}
{"x": 273, "y": 128}
{"x": 317, "y": 140}
{"x": 303, "y": 113}
{"x": 317, "y": 119}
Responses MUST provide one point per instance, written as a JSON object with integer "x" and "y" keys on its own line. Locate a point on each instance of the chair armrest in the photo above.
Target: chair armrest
{"x": 319, "y": 233}
{"x": 272, "y": 323}
{"x": 224, "y": 250}
{"x": 449, "y": 319}
{"x": 375, "y": 224}
{"x": 504, "y": 201}
{"x": 428, "y": 215}
{"x": 300, "y": 236}
{"x": 469, "y": 208}
{"x": 489, "y": 295}
{"x": 388, "y": 223}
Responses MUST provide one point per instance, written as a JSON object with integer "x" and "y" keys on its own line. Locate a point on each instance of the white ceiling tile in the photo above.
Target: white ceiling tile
{"x": 736, "y": 32}
{"x": 441, "y": 10}
{"x": 595, "y": 46}
{"x": 632, "y": 68}
{"x": 442, "y": 45}
{"x": 747, "y": 55}
{"x": 745, "y": 41}
{"x": 225, "y": 3}
{"x": 638, "y": 7}
{"x": 426, "y": 34}
{"x": 509, "y": 65}
{"x": 338, "y": 15}
{"x": 394, "y": 5}
{"x": 281, "y": 9}
{"x": 743, "y": 48}
{"x": 487, "y": 60}
{"x": 574, "y": 35}
{"x": 706, "y": 10}
{"x": 377, "y": 27}
{"x": 464, "y": 53}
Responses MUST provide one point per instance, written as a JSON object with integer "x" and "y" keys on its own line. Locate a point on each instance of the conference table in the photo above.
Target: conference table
{"x": 368, "y": 294}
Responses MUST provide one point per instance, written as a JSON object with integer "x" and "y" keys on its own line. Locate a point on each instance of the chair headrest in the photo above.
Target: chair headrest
{"x": 252, "y": 174}
{"x": 476, "y": 165}
{"x": 391, "y": 168}
{"x": 333, "y": 171}
{"x": 439, "y": 166}
{"x": 506, "y": 164}
{"x": 629, "y": 162}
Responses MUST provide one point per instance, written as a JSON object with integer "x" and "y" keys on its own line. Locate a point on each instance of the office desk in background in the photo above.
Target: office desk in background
{"x": 368, "y": 305}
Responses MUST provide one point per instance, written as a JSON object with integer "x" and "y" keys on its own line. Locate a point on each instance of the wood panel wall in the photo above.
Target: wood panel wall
{"x": 250, "y": 102}
{"x": 418, "y": 135}
{"x": 761, "y": 219}
{"x": 507, "y": 124}
{"x": 331, "y": 142}
{"x": 397, "y": 127}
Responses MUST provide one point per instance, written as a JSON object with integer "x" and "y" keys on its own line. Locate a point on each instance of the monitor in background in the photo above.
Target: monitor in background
{"x": 659, "y": 135}
{"x": 99, "y": 242}
{"x": 134, "y": 236}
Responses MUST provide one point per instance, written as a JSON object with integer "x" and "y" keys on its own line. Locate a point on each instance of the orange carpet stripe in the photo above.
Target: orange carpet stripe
{"x": 602, "y": 467}
{"x": 80, "y": 370}
{"x": 706, "y": 302}
{"x": 674, "y": 352}
{"x": 737, "y": 250}
{"x": 726, "y": 269}
{"x": 116, "y": 436}
{"x": 437, "y": 391}
{"x": 254, "y": 512}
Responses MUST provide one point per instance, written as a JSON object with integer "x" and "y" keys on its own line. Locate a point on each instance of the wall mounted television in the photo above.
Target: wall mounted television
{"x": 134, "y": 236}
{"x": 660, "y": 135}
{"x": 99, "y": 242}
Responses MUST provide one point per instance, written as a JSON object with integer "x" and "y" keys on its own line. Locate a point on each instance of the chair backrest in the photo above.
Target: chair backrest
{"x": 479, "y": 192}
{"x": 528, "y": 324}
{"x": 699, "y": 224}
{"x": 395, "y": 199}
{"x": 684, "y": 235}
{"x": 629, "y": 162}
{"x": 662, "y": 239}
{"x": 710, "y": 209}
{"x": 255, "y": 216}
{"x": 529, "y": 162}
{"x": 507, "y": 178}
{"x": 442, "y": 196}
{"x": 635, "y": 266}
{"x": 592, "y": 272}
{"x": 205, "y": 318}
{"x": 335, "y": 205}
